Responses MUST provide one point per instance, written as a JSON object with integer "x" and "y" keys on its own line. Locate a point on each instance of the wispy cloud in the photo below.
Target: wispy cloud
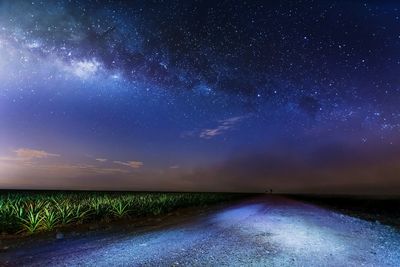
{"x": 70, "y": 170}
{"x": 28, "y": 154}
{"x": 132, "y": 164}
{"x": 11, "y": 159}
{"x": 223, "y": 127}
{"x": 101, "y": 159}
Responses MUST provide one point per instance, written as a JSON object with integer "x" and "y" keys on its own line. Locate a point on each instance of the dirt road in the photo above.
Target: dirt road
{"x": 264, "y": 231}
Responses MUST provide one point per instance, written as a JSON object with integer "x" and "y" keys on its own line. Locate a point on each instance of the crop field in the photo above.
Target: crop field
{"x": 32, "y": 212}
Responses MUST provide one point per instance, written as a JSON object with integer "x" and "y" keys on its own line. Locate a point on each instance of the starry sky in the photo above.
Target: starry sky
{"x": 298, "y": 96}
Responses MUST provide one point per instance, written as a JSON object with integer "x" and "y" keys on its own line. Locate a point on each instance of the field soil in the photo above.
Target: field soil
{"x": 378, "y": 209}
{"x": 262, "y": 231}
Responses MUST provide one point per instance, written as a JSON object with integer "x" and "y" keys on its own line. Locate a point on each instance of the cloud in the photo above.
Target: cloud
{"x": 16, "y": 167}
{"x": 132, "y": 164}
{"x": 223, "y": 127}
{"x": 28, "y": 154}
{"x": 79, "y": 169}
{"x": 101, "y": 159}
{"x": 72, "y": 170}
{"x": 11, "y": 159}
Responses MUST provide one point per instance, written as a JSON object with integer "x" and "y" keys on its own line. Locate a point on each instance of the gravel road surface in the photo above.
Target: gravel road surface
{"x": 263, "y": 231}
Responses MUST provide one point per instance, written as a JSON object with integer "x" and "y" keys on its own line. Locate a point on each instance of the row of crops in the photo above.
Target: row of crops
{"x": 31, "y": 212}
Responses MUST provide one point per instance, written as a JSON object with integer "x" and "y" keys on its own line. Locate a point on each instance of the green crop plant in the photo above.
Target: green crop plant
{"x": 30, "y": 212}
{"x": 49, "y": 219}
{"x": 31, "y": 221}
{"x": 79, "y": 213}
{"x": 119, "y": 208}
{"x": 66, "y": 212}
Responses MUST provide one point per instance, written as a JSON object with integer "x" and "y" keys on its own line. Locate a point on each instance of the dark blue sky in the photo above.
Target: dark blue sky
{"x": 200, "y": 95}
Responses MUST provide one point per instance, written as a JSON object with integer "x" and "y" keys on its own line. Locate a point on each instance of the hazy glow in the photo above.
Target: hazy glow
{"x": 85, "y": 69}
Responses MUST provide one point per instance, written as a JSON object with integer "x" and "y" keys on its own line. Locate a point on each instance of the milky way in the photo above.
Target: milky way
{"x": 200, "y": 95}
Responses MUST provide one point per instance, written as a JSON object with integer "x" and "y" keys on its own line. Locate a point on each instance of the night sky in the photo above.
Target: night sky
{"x": 298, "y": 96}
